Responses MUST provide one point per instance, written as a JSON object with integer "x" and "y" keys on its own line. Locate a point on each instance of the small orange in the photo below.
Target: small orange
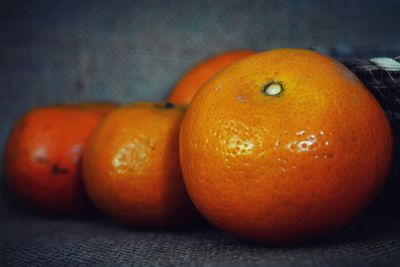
{"x": 131, "y": 166}
{"x": 191, "y": 81}
{"x": 284, "y": 146}
{"x": 43, "y": 155}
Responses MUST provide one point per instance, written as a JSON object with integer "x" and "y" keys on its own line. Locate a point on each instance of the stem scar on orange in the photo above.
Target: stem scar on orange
{"x": 131, "y": 167}
{"x": 192, "y": 81}
{"x": 43, "y": 156}
{"x": 284, "y": 146}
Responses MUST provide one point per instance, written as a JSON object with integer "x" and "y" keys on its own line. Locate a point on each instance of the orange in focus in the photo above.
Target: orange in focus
{"x": 284, "y": 146}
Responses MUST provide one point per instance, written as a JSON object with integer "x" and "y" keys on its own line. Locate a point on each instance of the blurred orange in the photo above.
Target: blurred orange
{"x": 131, "y": 167}
{"x": 192, "y": 81}
{"x": 43, "y": 155}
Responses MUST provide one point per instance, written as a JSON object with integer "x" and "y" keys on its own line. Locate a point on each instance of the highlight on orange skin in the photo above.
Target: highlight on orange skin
{"x": 193, "y": 80}
{"x": 43, "y": 156}
{"x": 284, "y": 146}
{"x": 131, "y": 167}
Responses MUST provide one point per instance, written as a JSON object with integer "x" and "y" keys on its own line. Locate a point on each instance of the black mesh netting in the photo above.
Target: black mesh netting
{"x": 384, "y": 83}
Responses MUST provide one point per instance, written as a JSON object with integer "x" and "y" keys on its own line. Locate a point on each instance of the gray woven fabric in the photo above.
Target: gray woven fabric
{"x": 36, "y": 241}
{"x": 68, "y": 51}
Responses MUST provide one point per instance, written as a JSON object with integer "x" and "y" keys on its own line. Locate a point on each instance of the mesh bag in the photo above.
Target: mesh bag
{"x": 382, "y": 77}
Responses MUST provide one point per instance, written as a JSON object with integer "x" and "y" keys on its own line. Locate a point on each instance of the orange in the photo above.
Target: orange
{"x": 191, "y": 81}
{"x": 131, "y": 167}
{"x": 43, "y": 155}
{"x": 284, "y": 146}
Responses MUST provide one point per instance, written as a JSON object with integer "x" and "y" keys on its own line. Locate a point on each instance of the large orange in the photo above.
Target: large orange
{"x": 131, "y": 166}
{"x": 43, "y": 155}
{"x": 284, "y": 146}
{"x": 191, "y": 81}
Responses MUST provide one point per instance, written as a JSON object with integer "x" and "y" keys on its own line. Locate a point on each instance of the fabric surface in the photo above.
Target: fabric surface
{"x": 122, "y": 51}
{"x": 36, "y": 241}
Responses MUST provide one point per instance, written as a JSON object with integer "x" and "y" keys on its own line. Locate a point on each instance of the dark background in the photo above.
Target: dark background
{"x": 70, "y": 51}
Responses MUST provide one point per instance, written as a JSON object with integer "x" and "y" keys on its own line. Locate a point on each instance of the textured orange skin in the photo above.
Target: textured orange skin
{"x": 192, "y": 81}
{"x": 131, "y": 168}
{"x": 282, "y": 169}
{"x": 43, "y": 156}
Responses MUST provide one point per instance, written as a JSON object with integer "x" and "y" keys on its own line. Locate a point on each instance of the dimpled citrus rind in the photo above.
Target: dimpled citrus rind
{"x": 288, "y": 167}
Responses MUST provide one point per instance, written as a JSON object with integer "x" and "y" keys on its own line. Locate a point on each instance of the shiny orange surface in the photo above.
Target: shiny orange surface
{"x": 284, "y": 146}
{"x": 191, "y": 81}
{"x": 43, "y": 155}
{"x": 132, "y": 170}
